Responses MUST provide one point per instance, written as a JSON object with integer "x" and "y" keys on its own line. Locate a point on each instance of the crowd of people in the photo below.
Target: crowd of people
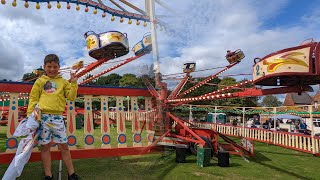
{"x": 296, "y": 125}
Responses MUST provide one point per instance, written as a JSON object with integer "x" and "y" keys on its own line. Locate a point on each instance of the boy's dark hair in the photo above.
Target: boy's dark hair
{"x": 51, "y": 58}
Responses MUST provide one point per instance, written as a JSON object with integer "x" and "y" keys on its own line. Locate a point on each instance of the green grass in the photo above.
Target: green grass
{"x": 270, "y": 162}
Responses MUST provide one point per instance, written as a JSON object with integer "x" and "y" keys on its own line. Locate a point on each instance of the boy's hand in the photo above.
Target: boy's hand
{"x": 73, "y": 77}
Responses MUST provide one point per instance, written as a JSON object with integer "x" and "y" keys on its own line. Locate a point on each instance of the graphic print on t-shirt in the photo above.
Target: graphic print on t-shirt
{"x": 50, "y": 87}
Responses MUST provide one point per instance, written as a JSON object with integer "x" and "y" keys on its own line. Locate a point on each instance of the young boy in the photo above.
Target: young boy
{"x": 50, "y": 92}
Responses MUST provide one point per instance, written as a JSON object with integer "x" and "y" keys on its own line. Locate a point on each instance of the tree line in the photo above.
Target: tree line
{"x": 132, "y": 80}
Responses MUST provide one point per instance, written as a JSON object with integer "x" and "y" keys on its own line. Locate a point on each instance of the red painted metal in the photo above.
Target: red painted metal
{"x": 110, "y": 69}
{"x": 201, "y": 141}
{"x": 91, "y": 67}
{"x": 206, "y": 80}
{"x": 5, "y": 158}
{"x": 152, "y": 90}
{"x": 154, "y": 143}
{"x": 17, "y": 87}
{"x": 184, "y": 138}
{"x": 179, "y": 87}
{"x": 246, "y": 93}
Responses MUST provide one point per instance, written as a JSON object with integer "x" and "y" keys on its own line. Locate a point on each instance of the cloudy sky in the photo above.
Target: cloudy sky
{"x": 199, "y": 31}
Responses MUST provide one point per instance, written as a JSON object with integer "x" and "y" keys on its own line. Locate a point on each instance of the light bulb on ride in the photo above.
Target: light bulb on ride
{"x": 112, "y": 18}
{"x": 104, "y": 14}
{"x": 26, "y": 4}
{"x": 58, "y": 5}
{"x": 95, "y": 11}
{"x": 138, "y": 23}
{"x": 3, "y": 1}
{"x": 38, "y": 6}
{"x": 49, "y": 5}
{"x": 77, "y": 7}
{"x": 130, "y": 21}
{"x": 121, "y": 20}
{"x": 68, "y": 5}
{"x": 14, "y": 3}
{"x": 145, "y": 24}
{"x": 86, "y": 9}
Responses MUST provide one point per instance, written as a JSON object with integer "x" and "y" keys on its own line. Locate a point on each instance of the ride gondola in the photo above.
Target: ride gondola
{"x": 143, "y": 46}
{"x": 189, "y": 67}
{"x": 288, "y": 67}
{"x": 109, "y": 45}
{"x": 235, "y": 56}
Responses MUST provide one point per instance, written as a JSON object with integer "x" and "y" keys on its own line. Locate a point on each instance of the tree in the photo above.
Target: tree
{"x": 271, "y": 101}
{"x": 90, "y": 82}
{"x": 129, "y": 80}
{"x": 109, "y": 80}
{"x": 30, "y": 77}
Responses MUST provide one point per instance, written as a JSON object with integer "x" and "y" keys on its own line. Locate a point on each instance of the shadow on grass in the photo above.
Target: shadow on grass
{"x": 260, "y": 159}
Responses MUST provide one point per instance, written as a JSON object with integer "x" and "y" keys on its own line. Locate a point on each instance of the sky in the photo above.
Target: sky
{"x": 198, "y": 31}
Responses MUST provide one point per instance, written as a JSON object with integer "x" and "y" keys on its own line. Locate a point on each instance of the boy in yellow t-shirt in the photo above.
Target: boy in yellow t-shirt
{"x": 50, "y": 92}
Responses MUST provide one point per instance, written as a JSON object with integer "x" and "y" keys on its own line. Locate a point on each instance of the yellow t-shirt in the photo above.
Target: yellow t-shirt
{"x": 51, "y": 93}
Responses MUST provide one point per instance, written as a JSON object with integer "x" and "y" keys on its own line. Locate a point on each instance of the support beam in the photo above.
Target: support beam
{"x": 83, "y": 90}
{"x": 179, "y": 87}
{"x": 206, "y": 80}
{"x": 250, "y": 92}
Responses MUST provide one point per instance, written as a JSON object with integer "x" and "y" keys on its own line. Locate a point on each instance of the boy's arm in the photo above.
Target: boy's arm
{"x": 71, "y": 90}
{"x": 34, "y": 97}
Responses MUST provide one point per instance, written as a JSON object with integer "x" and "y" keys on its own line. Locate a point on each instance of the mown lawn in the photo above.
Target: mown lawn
{"x": 270, "y": 162}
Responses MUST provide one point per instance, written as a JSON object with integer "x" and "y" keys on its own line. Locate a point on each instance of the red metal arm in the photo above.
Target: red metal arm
{"x": 179, "y": 87}
{"x": 91, "y": 67}
{"x": 201, "y": 141}
{"x": 110, "y": 69}
{"x": 246, "y": 93}
{"x": 206, "y": 80}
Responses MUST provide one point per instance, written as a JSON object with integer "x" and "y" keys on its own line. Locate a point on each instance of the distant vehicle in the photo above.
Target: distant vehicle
{"x": 219, "y": 118}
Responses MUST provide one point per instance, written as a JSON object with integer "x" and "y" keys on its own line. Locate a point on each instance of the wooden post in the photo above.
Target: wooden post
{"x": 88, "y": 123}
{"x": 312, "y": 130}
{"x": 121, "y": 126}
{"x": 71, "y": 125}
{"x": 105, "y": 123}
{"x": 136, "y": 128}
{"x": 12, "y": 142}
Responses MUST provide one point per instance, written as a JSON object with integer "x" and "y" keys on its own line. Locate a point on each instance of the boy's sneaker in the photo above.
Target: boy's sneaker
{"x": 73, "y": 177}
{"x": 48, "y": 178}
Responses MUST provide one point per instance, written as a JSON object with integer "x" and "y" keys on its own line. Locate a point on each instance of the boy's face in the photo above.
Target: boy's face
{"x": 52, "y": 69}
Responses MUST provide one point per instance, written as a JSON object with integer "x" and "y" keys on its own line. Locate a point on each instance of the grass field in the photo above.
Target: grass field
{"x": 270, "y": 162}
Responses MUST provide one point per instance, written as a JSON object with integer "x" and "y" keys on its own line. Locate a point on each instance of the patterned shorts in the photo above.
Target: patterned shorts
{"x": 52, "y": 128}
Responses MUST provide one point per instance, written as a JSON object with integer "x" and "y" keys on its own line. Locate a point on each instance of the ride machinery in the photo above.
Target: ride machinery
{"x": 289, "y": 70}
